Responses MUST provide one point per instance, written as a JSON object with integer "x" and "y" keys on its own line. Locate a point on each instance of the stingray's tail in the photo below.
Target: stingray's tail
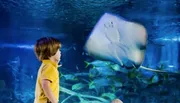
{"x": 159, "y": 71}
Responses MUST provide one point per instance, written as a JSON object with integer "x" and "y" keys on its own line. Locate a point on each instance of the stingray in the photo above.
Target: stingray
{"x": 115, "y": 39}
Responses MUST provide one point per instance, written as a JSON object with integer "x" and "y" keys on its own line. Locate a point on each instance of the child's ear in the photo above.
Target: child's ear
{"x": 49, "y": 57}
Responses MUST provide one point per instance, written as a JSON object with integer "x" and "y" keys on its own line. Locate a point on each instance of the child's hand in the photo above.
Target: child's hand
{"x": 47, "y": 90}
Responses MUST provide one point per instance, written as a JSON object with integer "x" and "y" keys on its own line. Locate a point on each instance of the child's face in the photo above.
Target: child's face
{"x": 57, "y": 56}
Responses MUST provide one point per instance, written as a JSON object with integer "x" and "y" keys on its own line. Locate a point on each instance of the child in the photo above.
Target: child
{"x": 47, "y": 50}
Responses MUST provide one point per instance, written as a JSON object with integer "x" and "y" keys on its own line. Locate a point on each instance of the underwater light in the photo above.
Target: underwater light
{"x": 168, "y": 39}
{"x": 21, "y": 46}
{"x": 171, "y": 66}
{"x": 25, "y": 46}
{"x": 176, "y": 39}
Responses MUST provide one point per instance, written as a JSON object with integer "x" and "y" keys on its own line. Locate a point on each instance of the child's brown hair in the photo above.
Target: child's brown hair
{"x": 46, "y": 47}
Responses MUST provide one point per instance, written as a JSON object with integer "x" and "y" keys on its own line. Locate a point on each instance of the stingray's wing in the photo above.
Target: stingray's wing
{"x": 111, "y": 30}
{"x": 97, "y": 43}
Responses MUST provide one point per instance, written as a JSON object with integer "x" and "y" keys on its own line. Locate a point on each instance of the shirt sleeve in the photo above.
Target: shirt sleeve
{"x": 47, "y": 73}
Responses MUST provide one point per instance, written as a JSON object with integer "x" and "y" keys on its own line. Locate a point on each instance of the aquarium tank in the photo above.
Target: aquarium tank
{"x": 83, "y": 78}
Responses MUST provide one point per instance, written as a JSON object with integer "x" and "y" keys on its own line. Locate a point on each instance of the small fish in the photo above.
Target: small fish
{"x": 118, "y": 68}
{"x": 70, "y": 77}
{"x": 119, "y": 80}
{"x": 117, "y": 84}
{"x": 154, "y": 79}
{"x": 77, "y": 67}
{"x": 93, "y": 73}
{"x": 98, "y": 63}
{"x": 74, "y": 48}
{"x": 111, "y": 96}
{"x": 100, "y": 82}
{"x": 102, "y": 71}
{"x": 78, "y": 86}
{"x": 133, "y": 73}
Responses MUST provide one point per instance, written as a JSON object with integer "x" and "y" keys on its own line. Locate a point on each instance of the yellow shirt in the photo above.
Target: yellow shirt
{"x": 48, "y": 70}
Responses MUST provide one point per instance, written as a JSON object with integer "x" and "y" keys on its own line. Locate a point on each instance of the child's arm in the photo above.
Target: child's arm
{"x": 47, "y": 90}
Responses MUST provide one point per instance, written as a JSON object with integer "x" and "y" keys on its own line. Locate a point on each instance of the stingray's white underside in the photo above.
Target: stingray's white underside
{"x": 117, "y": 40}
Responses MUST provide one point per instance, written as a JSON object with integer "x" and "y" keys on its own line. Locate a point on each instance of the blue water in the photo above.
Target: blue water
{"x": 23, "y": 22}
